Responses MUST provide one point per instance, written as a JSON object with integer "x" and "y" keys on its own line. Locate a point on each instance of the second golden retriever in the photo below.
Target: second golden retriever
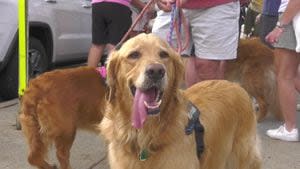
{"x": 146, "y": 114}
{"x": 254, "y": 70}
{"x": 54, "y": 106}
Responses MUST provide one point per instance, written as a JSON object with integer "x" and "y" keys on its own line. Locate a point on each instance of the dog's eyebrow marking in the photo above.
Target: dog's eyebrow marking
{"x": 134, "y": 55}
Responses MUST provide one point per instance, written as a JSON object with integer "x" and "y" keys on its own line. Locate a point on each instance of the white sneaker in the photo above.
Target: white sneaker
{"x": 282, "y": 134}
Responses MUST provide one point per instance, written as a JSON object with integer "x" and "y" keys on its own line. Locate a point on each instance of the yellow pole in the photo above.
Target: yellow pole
{"x": 22, "y": 14}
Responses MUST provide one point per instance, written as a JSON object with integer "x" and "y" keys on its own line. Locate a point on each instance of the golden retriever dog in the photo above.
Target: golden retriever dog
{"x": 254, "y": 70}
{"x": 54, "y": 105}
{"x": 146, "y": 114}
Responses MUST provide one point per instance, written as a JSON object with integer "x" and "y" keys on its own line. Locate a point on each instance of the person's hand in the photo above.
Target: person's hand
{"x": 257, "y": 19}
{"x": 166, "y": 5}
{"x": 150, "y": 14}
{"x": 273, "y": 36}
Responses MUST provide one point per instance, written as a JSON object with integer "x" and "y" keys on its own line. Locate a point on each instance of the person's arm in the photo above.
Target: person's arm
{"x": 292, "y": 9}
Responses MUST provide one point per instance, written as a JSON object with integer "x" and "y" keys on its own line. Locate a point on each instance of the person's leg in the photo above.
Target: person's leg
{"x": 212, "y": 46}
{"x": 207, "y": 69}
{"x": 202, "y": 69}
{"x": 98, "y": 34}
{"x": 95, "y": 54}
{"x": 286, "y": 63}
{"x": 222, "y": 69}
{"x": 190, "y": 72}
{"x": 297, "y": 78}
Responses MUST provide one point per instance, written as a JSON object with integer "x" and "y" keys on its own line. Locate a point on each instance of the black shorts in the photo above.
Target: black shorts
{"x": 110, "y": 22}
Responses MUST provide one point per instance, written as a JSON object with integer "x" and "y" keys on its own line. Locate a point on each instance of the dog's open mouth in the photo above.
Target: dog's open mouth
{"x": 146, "y": 102}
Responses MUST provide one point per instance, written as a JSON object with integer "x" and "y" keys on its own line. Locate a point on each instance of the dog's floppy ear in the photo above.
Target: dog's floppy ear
{"x": 111, "y": 81}
{"x": 178, "y": 67}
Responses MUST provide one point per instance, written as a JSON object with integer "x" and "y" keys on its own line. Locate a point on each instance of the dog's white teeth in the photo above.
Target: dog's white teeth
{"x": 158, "y": 103}
{"x": 152, "y": 106}
{"x": 157, "y": 97}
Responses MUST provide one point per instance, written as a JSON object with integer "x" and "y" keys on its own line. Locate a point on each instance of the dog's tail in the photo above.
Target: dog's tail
{"x": 32, "y": 129}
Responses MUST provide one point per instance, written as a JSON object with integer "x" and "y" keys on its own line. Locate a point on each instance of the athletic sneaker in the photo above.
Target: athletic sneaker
{"x": 282, "y": 134}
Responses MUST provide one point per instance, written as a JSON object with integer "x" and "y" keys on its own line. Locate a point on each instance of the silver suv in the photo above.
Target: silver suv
{"x": 59, "y": 33}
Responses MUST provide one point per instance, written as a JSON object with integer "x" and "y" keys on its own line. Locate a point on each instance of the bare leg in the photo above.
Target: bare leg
{"x": 286, "y": 62}
{"x": 222, "y": 69}
{"x": 198, "y": 70}
{"x": 95, "y": 54}
{"x": 190, "y": 73}
{"x": 297, "y": 79}
{"x": 110, "y": 47}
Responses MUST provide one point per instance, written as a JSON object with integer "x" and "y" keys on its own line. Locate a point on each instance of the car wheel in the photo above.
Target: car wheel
{"x": 37, "y": 64}
{"x": 38, "y": 60}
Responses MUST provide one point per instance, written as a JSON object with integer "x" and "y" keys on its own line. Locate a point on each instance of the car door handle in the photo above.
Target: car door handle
{"x": 51, "y": 1}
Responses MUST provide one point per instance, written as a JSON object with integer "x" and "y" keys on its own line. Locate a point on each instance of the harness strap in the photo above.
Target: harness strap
{"x": 195, "y": 124}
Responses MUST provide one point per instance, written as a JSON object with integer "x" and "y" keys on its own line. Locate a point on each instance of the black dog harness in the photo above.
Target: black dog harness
{"x": 194, "y": 124}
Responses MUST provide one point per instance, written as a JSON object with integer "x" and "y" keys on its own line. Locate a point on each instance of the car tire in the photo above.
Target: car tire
{"x": 38, "y": 60}
{"x": 38, "y": 63}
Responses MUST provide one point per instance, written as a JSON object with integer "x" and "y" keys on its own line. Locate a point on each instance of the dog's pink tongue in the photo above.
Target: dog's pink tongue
{"x": 139, "y": 110}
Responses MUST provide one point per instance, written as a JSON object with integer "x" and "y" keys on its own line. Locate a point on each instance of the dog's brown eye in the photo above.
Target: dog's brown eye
{"x": 163, "y": 54}
{"x": 134, "y": 55}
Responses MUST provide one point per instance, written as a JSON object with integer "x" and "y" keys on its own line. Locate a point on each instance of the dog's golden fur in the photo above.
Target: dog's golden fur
{"x": 254, "y": 70}
{"x": 227, "y": 115}
{"x": 54, "y": 105}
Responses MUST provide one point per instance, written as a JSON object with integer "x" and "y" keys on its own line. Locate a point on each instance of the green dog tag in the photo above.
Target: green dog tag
{"x": 143, "y": 155}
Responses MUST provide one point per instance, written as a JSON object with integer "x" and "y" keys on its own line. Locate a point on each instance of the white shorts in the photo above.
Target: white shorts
{"x": 296, "y": 24}
{"x": 215, "y": 30}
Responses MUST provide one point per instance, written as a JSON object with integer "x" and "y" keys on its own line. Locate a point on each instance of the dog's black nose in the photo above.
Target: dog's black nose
{"x": 155, "y": 71}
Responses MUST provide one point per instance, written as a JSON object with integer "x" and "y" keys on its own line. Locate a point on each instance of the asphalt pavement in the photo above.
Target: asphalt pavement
{"x": 89, "y": 150}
